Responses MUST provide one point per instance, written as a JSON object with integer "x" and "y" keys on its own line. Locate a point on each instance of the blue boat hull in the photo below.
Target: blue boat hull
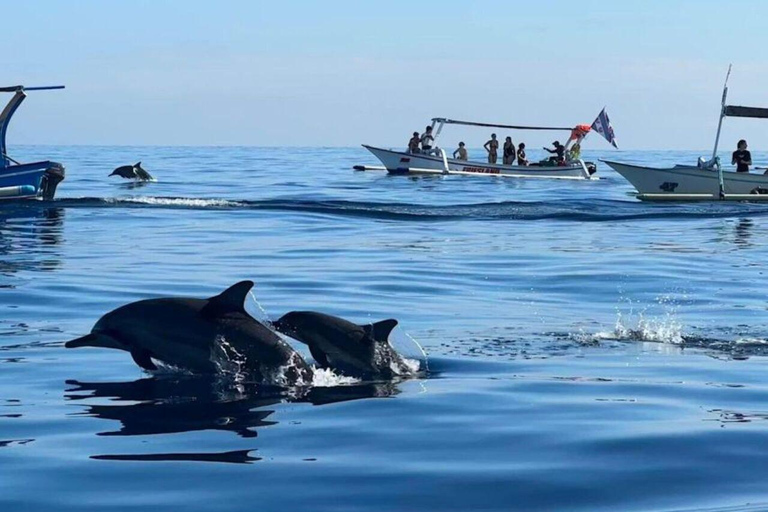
{"x": 37, "y": 180}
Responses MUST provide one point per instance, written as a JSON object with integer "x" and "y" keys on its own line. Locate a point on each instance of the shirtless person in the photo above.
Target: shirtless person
{"x": 461, "y": 152}
{"x": 492, "y": 147}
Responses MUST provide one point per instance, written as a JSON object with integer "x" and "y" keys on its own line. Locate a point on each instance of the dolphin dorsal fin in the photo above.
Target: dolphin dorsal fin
{"x": 380, "y": 331}
{"x": 137, "y": 164}
{"x": 231, "y": 300}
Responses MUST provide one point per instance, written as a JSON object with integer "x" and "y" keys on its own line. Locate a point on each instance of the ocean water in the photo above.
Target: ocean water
{"x": 586, "y": 351}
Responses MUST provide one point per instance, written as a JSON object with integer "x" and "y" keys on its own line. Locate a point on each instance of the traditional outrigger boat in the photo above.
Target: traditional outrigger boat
{"x": 437, "y": 161}
{"x": 707, "y": 181}
{"x": 36, "y": 180}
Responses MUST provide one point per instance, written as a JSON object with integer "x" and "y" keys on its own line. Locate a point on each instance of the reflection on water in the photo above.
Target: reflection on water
{"x": 233, "y": 457}
{"x": 179, "y": 404}
{"x": 29, "y": 238}
{"x": 743, "y": 232}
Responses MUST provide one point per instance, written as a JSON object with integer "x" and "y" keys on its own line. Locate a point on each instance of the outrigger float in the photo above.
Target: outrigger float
{"x": 36, "y": 180}
{"x": 707, "y": 181}
{"x": 437, "y": 162}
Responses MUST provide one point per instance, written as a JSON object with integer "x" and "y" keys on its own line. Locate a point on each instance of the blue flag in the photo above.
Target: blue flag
{"x": 602, "y": 125}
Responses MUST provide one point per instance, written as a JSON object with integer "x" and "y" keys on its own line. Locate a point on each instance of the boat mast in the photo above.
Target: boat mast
{"x": 717, "y": 137}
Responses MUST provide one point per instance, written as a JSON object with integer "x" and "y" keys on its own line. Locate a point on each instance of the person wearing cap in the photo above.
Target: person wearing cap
{"x": 461, "y": 152}
{"x": 492, "y": 147}
{"x": 559, "y": 152}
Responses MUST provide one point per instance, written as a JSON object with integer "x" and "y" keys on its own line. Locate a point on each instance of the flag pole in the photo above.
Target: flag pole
{"x": 717, "y": 137}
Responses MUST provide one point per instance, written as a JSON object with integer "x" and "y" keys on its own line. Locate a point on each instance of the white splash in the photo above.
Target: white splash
{"x": 640, "y": 327}
{"x": 175, "y": 201}
{"x": 325, "y": 377}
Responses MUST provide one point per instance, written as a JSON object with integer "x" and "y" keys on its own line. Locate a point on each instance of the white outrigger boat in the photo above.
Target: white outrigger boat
{"x": 437, "y": 162}
{"x": 707, "y": 181}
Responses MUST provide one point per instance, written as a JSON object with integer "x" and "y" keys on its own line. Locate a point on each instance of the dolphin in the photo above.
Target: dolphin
{"x": 355, "y": 350}
{"x": 130, "y": 172}
{"x": 190, "y": 333}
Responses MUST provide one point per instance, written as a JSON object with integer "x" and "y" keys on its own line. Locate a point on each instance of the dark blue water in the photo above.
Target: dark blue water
{"x": 586, "y": 351}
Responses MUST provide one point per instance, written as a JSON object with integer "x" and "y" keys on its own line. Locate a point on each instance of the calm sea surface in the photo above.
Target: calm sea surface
{"x": 586, "y": 351}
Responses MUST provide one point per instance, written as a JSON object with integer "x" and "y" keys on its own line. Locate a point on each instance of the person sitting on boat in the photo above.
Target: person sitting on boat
{"x": 413, "y": 144}
{"x": 509, "y": 152}
{"x": 521, "y": 154}
{"x": 461, "y": 152}
{"x": 741, "y": 157}
{"x": 575, "y": 152}
{"x": 492, "y": 146}
{"x": 426, "y": 141}
{"x": 559, "y": 152}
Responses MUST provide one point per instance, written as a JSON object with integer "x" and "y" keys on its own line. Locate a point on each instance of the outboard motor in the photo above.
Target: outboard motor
{"x": 591, "y": 167}
{"x": 51, "y": 179}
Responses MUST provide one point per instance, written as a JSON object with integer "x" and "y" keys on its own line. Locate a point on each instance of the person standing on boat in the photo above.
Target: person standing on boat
{"x": 509, "y": 152}
{"x": 559, "y": 152}
{"x": 413, "y": 144}
{"x": 426, "y": 141}
{"x": 461, "y": 152}
{"x": 521, "y": 155}
{"x": 492, "y": 147}
{"x": 741, "y": 157}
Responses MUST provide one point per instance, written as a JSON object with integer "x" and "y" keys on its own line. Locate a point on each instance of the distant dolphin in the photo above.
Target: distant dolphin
{"x": 356, "y": 350}
{"x": 132, "y": 172}
{"x": 189, "y": 333}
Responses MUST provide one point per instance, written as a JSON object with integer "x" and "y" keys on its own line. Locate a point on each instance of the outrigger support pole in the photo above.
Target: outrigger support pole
{"x": 717, "y": 137}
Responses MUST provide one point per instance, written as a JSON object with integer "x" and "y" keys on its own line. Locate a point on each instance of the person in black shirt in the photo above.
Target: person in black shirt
{"x": 559, "y": 152}
{"x": 741, "y": 157}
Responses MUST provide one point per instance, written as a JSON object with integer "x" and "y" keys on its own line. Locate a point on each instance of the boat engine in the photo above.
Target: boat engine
{"x": 591, "y": 167}
{"x": 51, "y": 179}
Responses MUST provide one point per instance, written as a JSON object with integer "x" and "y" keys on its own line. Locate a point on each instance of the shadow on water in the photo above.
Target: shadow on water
{"x": 180, "y": 404}
{"x": 29, "y": 239}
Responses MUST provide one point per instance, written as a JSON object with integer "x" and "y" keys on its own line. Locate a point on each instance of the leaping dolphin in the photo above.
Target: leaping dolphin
{"x": 131, "y": 172}
{"x": 189, "y": 332}
{"x": 355, "y": 350}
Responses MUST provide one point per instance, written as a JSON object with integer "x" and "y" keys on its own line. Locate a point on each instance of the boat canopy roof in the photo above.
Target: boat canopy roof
{"x": 17, "y": 88}
{"x": 495, "y": 125}
{"x": 753, "y": 112}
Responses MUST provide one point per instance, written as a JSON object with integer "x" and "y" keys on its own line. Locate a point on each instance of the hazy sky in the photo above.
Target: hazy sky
{"x": 341, "y": 73}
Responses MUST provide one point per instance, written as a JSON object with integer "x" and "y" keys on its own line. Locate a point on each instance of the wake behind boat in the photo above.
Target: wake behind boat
{"x": 707, "y": 181}
{"x": 569, "y": 165}
{"x": 36, "y": 180}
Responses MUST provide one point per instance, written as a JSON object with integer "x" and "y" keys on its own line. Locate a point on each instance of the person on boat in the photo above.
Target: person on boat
{"x": 575, "y": 152}
{"x": 559, "y": 152}
{"x": 461, "y": 152}
{"x": 492, "y": 147}
{"x": 413, "y": 144}
{"x": 509, "y": 152}
{"x": 741, "y": 157}
{"x": 426, "y": 141}
{"x": 521, "y": 154}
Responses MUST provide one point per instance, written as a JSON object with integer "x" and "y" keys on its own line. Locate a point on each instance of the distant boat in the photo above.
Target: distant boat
{"x": 437, "y": 162}
{"x": 706, "y": 181}
{"x": 37, "y": 180}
